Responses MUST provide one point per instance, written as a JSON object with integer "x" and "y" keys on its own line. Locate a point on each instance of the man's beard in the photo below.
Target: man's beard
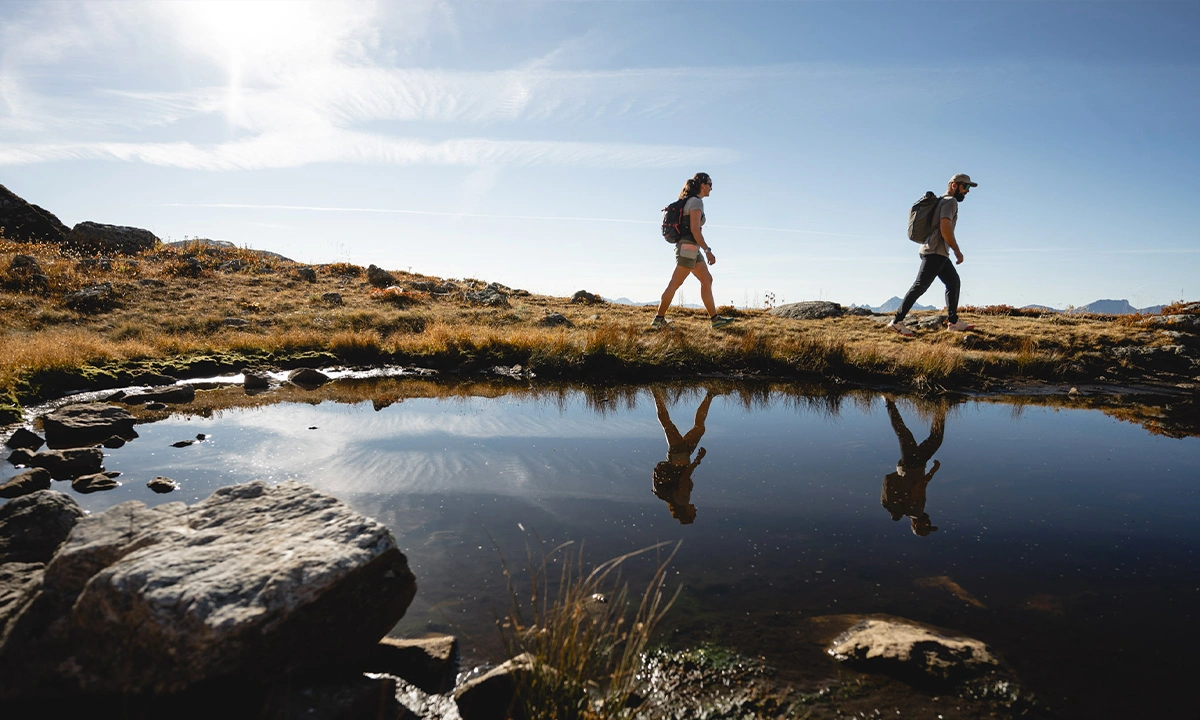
{"x": 959, "y": 195}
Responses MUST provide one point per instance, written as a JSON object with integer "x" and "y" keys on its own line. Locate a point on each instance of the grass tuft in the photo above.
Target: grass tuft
{"x": 585, "y": 634}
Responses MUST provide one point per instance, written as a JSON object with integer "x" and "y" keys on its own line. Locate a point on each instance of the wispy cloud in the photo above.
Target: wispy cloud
{"x": 293, "y": 149}
{"x": 567, "y": 218}
{"x": 303, "y": 83}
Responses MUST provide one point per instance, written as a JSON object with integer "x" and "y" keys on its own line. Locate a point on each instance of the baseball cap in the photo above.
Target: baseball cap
{"x": 964, "y": 179}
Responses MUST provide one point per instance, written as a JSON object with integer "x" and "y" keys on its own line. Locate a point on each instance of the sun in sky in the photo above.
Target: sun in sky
{"x": 534, "y": 143}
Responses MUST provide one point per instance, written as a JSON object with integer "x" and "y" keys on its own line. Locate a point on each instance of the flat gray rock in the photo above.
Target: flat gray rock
{"x": 812, "y": 310}
{"x": 83, "y": 424}
{"x": 253, "y": 582}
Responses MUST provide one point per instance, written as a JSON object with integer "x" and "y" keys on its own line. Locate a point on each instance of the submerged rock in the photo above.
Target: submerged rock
{"x": 912, "y": 651}
{"x": 253, "y": 582}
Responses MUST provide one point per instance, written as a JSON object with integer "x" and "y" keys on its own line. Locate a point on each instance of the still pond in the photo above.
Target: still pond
{"x": 1066, "y": 539}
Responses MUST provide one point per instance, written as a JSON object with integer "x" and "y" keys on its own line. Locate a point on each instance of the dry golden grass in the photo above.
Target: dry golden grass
{"x": 198, "y": 300}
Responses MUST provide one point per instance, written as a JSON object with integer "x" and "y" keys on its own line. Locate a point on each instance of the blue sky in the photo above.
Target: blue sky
{"x": 534, "y": 143}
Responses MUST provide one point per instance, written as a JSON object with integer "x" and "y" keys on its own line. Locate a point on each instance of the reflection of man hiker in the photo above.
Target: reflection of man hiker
{"x": 904, "y": 490}
{"x": 673, "y": 476}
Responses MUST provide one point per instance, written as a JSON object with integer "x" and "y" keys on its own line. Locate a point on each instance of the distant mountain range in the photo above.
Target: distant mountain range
{"x": 1100, "y": 307}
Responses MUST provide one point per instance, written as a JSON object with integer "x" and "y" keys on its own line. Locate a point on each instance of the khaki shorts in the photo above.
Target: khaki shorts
{"x": 688, "y": 254}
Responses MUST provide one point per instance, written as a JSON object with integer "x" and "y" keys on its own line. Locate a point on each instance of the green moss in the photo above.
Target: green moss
{"x": 10, "y": 408}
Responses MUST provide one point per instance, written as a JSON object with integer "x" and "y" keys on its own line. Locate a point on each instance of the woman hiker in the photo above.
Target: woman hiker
{"x": 688, "y": 260}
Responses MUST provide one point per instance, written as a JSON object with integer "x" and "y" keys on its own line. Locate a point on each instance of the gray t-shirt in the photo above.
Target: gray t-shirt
{"x": 693, "y": 203}
{"x": 936, "y": 244}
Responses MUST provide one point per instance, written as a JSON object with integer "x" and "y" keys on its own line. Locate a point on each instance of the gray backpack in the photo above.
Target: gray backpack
{"x": 922, "y": 216}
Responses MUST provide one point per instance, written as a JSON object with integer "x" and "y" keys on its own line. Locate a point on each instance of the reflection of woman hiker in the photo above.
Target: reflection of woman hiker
{"x": 688, "y": 258}
{"x": 904, "y": 490}
{"x": 673, "y": 476}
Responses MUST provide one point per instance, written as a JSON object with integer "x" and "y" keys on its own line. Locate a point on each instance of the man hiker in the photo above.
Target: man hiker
{"x": 935, "y": 258}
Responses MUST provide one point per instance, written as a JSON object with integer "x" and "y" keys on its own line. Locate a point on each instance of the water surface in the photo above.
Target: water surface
{"x": 1065, "y": 538}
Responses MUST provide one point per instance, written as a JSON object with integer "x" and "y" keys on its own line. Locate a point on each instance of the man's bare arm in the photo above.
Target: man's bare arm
{"x": 951, "y": 241}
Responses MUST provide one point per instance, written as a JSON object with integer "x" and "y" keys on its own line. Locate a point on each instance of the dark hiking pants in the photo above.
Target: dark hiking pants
{"x": 933, "y": 266}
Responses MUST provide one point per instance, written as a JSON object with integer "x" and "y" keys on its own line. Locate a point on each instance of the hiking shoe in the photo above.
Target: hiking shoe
{"x": 900, "y": 327}
{"x": 659, "y": 323}
{"x": 721, "y": 321}
{"x": 960, "y": 326}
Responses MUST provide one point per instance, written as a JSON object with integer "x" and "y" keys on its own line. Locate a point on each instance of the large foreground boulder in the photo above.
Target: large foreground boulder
{"x": 101, "y": 239}
{"x": 24, "y": 222}
{"x": 83, "y": 424}
{"x": 256, "y": 581}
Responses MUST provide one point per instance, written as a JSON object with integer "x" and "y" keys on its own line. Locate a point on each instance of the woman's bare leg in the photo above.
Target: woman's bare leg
{"x": 706, "y": 295}
{"x": 668, "y": 295}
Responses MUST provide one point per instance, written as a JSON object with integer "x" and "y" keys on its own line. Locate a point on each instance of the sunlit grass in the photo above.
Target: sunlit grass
{"x": 244, "y": 302}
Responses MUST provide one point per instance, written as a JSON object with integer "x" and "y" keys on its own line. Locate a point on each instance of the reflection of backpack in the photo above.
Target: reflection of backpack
{"x": 922, "y": 216}
{"x": 676, "y": 225}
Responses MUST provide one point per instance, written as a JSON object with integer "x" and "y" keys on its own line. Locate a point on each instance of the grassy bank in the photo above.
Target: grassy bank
{"x": 197, "y": 310}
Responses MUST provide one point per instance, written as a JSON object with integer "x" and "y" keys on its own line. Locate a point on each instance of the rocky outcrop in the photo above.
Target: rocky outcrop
{"x": 555, "y": 320}
{"x": 61, "y": 464}
{"x": 26, "y": 483}
{"x": 814, "y": 310}
{"x": 32, "y": 527}
{"x": 1167, "y": 358}
{"x": 84, "y": 424}
{"x": 431, "y": 664}
{"x": 490, "y": 296}
{"x": 24, "y": 274}
{"x": 94, "y": 298}
{"x": 24, "y": 222}
{"x": 379, "y": 277}
{"x": 583, "y": 297}
{"x": 431, "y": 287}
{"x": 255, "y": 581}
{"x": 912, "y": 651}
{"x": 100, "y": 239}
